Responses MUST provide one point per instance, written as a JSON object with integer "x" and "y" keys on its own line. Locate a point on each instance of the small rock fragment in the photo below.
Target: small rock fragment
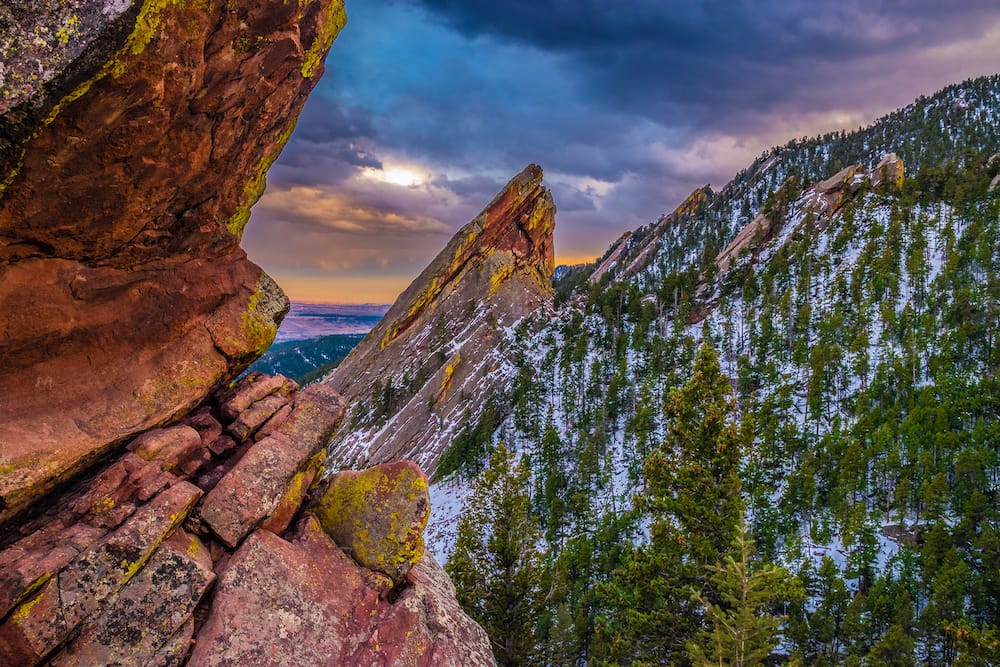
{"x": 250, "y": 389}
{"x": 256, "y": 415}
{"x": 169, "y": 447}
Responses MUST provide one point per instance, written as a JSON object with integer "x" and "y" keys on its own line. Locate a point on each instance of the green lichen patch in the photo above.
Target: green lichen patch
{"x": 378, "y": 516}
{"x": 332, "y": 24}
{"x": 255, "y": 186}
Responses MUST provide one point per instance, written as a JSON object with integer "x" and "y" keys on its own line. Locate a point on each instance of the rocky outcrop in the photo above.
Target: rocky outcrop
{"x": 444, "y": 341}
{"x": 302, "y": 601}
{"x": 139, "y": 520}
{"x": 134, "y": 136}
{"x": 822, "y": 200}
{"x": 889, "y": 172}
{"x": 119, "y": 569}
{"x": 748, "y": 239}
{"x": 634, "y": 252}
{"x": 618, "y": 247}
{"x": 826, "y": 197}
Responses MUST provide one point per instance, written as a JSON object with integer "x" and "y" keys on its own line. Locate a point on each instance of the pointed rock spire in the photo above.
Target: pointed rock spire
{"x": 436, "y": 349}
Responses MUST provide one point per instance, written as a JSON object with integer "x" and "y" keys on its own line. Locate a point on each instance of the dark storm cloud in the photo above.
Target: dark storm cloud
{"x": 571, "y": 199}
{"x": 717, "y": 61}
{"x": 723, "y": 28}
{"x": 325, "y": 120}
{"x": 478, "y": 186}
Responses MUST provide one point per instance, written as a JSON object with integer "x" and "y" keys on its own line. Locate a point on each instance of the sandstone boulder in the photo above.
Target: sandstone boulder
{"x": 145, "y": 620}
{"x": 169, "y": 447}
{"x": 84, "y": 586}
{"x": 378, "y": 515}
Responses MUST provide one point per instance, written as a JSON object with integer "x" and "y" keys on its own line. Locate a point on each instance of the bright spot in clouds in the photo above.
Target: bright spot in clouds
{"x": 396, "y": 175}
{"x": 429, "y": 106}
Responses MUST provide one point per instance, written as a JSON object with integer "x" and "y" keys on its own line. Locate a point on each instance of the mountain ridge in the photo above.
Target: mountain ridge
{"x": 849, "y": 284}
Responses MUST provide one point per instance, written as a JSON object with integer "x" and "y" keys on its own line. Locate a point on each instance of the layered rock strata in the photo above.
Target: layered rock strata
{"x": 193, "y": 548}
{"x": 134, "y": 136}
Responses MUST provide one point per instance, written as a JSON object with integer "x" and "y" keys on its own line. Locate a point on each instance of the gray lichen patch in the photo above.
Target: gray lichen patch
{"x": 38, "y": 39}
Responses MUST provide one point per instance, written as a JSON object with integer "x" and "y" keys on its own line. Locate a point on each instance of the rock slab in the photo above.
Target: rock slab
{"x": 304, "y": 602}
{"x": 492, "y": 274}
{"x": 134, "y": 137}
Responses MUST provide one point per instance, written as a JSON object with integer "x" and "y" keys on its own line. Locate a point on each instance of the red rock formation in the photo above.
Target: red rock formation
{"x": 302, "y": 601}
{"x": 823, "y": 199}
{"x": 114, "y": 570}
{"x": 135, "y": 136}
{"x": 440, "y": 343}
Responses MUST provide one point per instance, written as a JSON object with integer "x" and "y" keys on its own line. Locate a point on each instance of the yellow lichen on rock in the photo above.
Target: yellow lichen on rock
{"x": 335, "y": 20}
{"x": 378, "y": 515}
{"x": 499, "y": 277}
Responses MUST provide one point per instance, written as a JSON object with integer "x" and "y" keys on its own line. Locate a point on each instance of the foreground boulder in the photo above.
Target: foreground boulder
{"x": 378, "y": 515}
{"x": 302, "y": 601}
{"x": 119, "y": 568}
{"x": 134, "y": 137}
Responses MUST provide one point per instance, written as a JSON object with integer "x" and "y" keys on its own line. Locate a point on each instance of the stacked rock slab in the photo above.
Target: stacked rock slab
{"x": 134, "y": 136}
{"x": 120, "y": 568}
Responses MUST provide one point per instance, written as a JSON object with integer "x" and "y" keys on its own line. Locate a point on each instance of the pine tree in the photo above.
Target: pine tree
{"x": 692, "y": 502}
{"x": 496, "y": 566}
{"x": 692, "y": 480}
{"x": 743, "y": 631}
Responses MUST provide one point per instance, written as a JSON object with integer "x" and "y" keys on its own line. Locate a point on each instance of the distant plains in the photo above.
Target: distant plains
{"x": 312, "y": 320}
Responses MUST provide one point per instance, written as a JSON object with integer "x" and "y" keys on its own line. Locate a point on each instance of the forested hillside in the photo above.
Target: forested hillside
{"x": 793, "y": 448}
{"x": 306, "y": 360}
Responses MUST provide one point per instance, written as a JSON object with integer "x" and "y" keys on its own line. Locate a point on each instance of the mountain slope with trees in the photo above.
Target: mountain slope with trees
{"x": 857, "y": 335}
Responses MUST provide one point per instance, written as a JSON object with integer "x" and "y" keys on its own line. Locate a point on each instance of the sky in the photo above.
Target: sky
{"x": 428, "y": 107}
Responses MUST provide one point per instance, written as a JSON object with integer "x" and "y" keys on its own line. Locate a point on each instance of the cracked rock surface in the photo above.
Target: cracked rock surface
{"x": 134, "y": 137}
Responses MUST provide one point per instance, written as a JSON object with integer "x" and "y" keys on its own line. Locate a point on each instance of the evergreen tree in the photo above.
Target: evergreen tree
{"x": 692, "y": 501}
{"x": 496, "y": 566}
{"x": 743, "y": 630}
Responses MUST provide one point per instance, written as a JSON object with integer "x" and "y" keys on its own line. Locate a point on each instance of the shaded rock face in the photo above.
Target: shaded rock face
{"x": 134, "y": 136}
{"x": 120, "y": 568}
{"x": 443, "y": 342}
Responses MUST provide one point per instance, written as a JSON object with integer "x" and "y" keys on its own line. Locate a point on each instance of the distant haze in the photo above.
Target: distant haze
{"x": 312, "y": 320}
{"x": 429, "y": 106}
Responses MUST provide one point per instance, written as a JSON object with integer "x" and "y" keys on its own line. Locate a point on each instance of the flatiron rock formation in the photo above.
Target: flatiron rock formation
{"x": 134, "y": 137}
{"x": 441, "y": 348}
